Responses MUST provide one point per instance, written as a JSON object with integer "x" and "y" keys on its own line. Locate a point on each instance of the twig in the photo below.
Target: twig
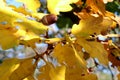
{"x": 113, "y": 35}
{"x": 112, "y": 74}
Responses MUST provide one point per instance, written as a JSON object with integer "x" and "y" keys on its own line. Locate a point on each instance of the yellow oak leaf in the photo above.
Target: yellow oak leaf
{"x": 31, "y": 5}
{"x": 49, "y": 72}
{"x": 8, "y": 67}
{"x": 57, "y": 73}
{"x": 44, "y": 72}
{"x": 11, "y": 37}
{"x": 68, "y": 56}
{"x": 9, "y": 16}
{"x": 65, "y": 55}
{"x": 26, "y": 68}
{"x": 30, "y": 42}
{"x": 80, "y": 58}
{"x": 18, "y": 27}
{"x": 20, "y": 9}
{"x": 8, "y": 37}
{"x": 78, "y": 54}
{"x": 74, "y": 72}
{"x": 91, "y": 24}
{"x": 57, "y": 6}
{"x": 32, "y": 26}
{"x": 15, "y": 19}
{"x": 95, "y": 49}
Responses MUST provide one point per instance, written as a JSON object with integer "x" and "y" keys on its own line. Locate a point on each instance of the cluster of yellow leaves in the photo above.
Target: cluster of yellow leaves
{"x": 17, "y": 69}
{"x": 68, "y": 57}
{"x": 50, "y": 72}
{"x": 15, "y": 27}
{"x": 93, "y": 23}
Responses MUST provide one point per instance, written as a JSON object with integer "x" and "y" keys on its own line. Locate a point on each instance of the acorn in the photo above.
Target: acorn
{"x": 49, "y": 19}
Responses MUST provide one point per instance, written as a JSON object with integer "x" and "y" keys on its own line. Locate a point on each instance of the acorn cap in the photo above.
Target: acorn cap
{"x": 49, "y": 19}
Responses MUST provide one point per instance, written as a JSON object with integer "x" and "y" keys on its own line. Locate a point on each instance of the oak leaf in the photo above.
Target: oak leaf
{"x": 20, "y": 9}
{"x": 8, "y": 37}
{"x": 11, "y": 37}
{"x": 57, "y": 6}
{"x": 23, "y": 70}
{"x": 50, "y": 72}
{"x": 31, "y": 5}
{"x": 75, "y": 64}
{"x": 90, "y": 24}
{"x": 18, "y": 27}
{"x": 95, "y": 49}
{"x": 15, "y": 19}
{"x": 8, "y": 67}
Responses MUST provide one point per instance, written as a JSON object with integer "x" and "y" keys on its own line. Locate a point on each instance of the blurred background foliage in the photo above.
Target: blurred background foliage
{"x": 114, "y": 6}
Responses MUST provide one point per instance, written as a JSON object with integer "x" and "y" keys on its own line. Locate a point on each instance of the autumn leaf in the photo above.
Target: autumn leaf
{"x": 65, "y": 51}
{"x": 57, "y": 73}
{"x": 8, "y": 67}
{"x": 31, "y": 5}
{"x": 30, "y": 42}
{"x": 57, "y": 6}
{"x": 23, "y": 70}
{"x": 8, "y": 36}
{"x": 18, "y": 28}
{"x": 20, "y": 9}
{"x": 95, "y": 49}
{"x": 15, "y": 19}
{"x": 75, "y": 65}
{"x": 90, "y": 24}
{"x": 32, "y": 26}
{"x": 78, "y": 54}
{"x": 44, "y": 72}
{"x": 17, "y": 69}
{"x": 10, "y": 17}
{"x": 50, "y": 72}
